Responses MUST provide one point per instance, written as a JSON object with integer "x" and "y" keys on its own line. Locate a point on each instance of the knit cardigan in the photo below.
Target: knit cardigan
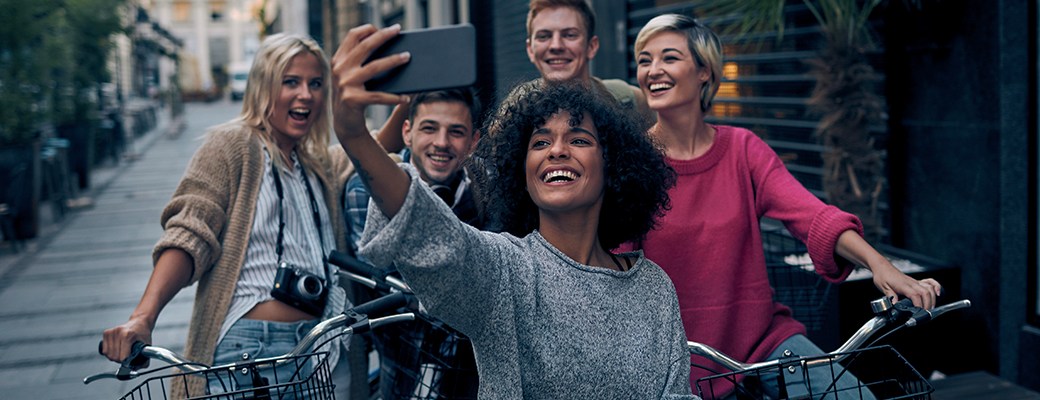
{"x": 210, "y": 216}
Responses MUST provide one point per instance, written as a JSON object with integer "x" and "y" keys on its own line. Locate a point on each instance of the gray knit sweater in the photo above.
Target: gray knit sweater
{"x": 543, "y": 326}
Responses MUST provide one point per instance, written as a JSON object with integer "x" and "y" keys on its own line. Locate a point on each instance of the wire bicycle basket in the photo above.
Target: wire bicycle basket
{"x": 794, "y": 279}
{"x": 309, "y": 378}
{"x": 879, "y": 371}
{"x": 427, "y": 360}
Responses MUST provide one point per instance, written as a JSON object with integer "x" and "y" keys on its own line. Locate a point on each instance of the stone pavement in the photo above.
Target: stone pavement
{"x": 86, "y": 272}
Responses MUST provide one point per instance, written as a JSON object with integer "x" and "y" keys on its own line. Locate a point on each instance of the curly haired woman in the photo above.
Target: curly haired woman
{"x": 551, "y": 313}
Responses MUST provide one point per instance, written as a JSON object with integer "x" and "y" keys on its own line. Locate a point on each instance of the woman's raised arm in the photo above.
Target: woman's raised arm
{"x": 386, "y": 182}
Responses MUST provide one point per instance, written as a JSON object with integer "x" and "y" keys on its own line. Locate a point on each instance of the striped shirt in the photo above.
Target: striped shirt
{"x": 302, "y": 246}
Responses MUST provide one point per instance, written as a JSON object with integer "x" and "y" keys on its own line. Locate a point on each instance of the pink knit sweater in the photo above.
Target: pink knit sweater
{"x": 709, "y": 243}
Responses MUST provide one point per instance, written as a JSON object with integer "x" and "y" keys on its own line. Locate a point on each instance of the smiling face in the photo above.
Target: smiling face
{"x": 559, "y": 45}
{"x": 565, "y": 166}
{"x": 441, "y": 136}
{"x": 299, "y": 101}
{"x": 668, "y": 72}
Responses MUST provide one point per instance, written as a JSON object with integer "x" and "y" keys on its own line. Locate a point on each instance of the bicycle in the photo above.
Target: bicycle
{"x": 896, "y": 380}
{"x": 311, "y": 377}
{"x": 427, "y": 360}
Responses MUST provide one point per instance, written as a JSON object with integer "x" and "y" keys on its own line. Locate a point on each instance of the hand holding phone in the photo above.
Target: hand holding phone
{"x": 441, "y": 58}
{"x": 350, "y": 72}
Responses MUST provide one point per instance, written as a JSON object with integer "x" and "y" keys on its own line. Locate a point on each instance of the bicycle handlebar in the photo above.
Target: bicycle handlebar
{"x": 903, "y": 313}
{"x": 922, "y": 315}
{"x": 366, "y": 274}
{"x": 141, "y": 353}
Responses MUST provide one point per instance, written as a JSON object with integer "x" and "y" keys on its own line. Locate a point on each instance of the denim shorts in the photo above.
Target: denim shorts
{"x": 250, "y": 339}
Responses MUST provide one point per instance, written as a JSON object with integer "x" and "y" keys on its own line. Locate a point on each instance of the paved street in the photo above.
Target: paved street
{"x": 87, "y": 272}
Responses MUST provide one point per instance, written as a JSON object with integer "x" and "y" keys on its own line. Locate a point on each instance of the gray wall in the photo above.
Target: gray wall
{"x": 511, "y": 64}
{"x": 959, "y": 93}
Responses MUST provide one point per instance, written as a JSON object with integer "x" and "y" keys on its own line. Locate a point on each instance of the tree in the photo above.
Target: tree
{"x": 52, "y": 57}
{"x": 92, "y": 24}
{"x": 27, "y": 34}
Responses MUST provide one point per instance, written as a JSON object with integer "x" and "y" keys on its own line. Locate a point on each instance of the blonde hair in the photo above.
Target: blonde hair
{"x": 588, "y": 18}
{"x": 703, "y": 43}
{"x": 263, "y": 86}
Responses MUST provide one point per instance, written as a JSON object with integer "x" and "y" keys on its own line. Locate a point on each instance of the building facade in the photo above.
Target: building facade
{"x": 216, "y": 34}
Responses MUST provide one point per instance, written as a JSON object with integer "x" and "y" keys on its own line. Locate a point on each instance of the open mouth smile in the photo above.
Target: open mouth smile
{"x": 299, "y": 114}
{"x": 559, "y": 175}
{"x": 440, "y": 158}
{"x": 660, "y": 86}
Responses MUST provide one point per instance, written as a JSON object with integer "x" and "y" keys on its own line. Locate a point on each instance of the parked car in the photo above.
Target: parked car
{"x": 238, "y": 74}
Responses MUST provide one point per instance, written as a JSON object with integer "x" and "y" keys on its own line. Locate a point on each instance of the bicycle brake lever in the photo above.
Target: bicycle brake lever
{"x": 132, "y": 362}
{"x": 904, "y": 307}
{"x": 96, "y": 377}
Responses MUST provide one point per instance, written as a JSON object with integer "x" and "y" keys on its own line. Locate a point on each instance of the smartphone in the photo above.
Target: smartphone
{"x": 443, "y": 57}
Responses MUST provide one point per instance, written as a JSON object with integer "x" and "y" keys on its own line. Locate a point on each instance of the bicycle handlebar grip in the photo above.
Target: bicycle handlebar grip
{"x": 354, "y": 265}
{"x": 136, "y": 360}
{"x": 383, "y": 304}
{"x": 132, "y": 362}
{"x": 916, "y": 315}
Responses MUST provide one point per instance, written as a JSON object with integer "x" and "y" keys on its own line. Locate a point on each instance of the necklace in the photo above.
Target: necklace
{"x": 618, "y": 264}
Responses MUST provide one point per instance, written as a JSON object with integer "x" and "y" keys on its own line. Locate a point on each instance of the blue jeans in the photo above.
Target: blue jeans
{"x": 820, "y": 377}
{"x": 250, "y": 339}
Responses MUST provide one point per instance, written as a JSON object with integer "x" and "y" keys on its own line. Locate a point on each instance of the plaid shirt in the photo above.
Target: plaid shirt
{"x": 355, "y": 206}
{"x": 425, "y": 345}
{"x": 355, "y": 209}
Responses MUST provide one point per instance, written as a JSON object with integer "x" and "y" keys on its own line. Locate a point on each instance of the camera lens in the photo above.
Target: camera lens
{"x": 309, "y": 286}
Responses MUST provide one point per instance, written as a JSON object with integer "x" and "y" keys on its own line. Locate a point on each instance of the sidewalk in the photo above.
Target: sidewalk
{"x": 86, "y": 272}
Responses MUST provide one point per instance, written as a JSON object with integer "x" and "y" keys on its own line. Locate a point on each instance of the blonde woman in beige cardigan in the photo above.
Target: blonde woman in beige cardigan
{"x": 261, "y": 191}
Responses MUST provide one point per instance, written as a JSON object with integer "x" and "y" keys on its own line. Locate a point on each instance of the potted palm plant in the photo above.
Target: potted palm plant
{"x": 844, "y": 97}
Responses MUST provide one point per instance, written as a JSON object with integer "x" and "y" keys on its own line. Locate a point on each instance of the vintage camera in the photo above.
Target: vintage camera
{"x": 300, "y": 289}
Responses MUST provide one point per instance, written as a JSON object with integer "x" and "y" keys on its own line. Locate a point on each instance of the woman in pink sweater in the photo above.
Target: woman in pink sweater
{"x": 709, "y": 243}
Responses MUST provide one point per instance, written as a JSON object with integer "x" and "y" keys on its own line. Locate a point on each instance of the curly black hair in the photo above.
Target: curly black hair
{"x": 636, "y": 176}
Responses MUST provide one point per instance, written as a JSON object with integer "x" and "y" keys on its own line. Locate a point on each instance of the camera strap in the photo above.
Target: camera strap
{"x": 279, "y": 246}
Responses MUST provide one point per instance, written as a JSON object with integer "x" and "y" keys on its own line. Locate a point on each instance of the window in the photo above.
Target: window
{"x": 217, "y": 9}
{"x": 181, "y": 11}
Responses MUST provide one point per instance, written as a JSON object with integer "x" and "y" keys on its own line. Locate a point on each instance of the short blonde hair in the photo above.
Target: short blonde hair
{"x": 581, "y": 6}
{"x": 703, "y": 43}
{"x": 264, "y": 84}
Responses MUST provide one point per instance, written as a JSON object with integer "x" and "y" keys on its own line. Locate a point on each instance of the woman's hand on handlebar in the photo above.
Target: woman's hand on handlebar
{"x": 117, "y": 341}
{"x": 888, "y": 279}
{"x": 895, "y": 284}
